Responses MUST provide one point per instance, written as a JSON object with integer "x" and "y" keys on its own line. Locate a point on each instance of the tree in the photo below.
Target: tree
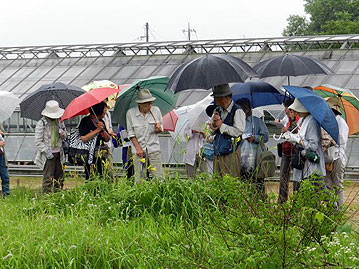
{"x": 297, "y": 25}
{"x": 326, "y": 17}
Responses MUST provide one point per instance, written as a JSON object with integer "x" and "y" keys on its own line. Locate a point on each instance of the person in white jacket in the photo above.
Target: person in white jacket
{"x": 49, "y": 133}
{"x": 193, "y": 158}
{"x": 334, "y": 154}
{"x": 309, "y": 138}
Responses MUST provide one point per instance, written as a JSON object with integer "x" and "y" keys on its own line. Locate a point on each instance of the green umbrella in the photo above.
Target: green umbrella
{"x": 165, "y": 100}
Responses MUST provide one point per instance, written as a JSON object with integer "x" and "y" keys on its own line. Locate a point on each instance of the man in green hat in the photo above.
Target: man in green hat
{"x": 228, "y": 124}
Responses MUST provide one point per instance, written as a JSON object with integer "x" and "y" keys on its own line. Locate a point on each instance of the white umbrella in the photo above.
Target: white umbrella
{"x": 181, "y": 124}
{"x": 197, "y": 116}
{"x": 8, "y": 103}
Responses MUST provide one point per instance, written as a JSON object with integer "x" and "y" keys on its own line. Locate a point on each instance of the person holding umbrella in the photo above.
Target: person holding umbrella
{"x": 90, "y": 127}
{"x": 144, "y": 123}
{"x": 4, "y": 173}
{"x": 228, "y": 124}
{"x": 255, "y": 133}
{"x": 307, "y": 143}
{"x": 335, "y": 157}
{"x": 49, "y": 133}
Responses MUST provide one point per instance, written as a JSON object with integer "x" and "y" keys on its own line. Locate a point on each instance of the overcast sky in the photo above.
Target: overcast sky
{"x": 47, "y": 22}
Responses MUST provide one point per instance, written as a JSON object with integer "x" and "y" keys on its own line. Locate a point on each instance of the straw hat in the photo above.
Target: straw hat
{"x": 335, "y": 103}
{"x": 52, "y": 110}
{"x": 221, "y": 90}
{"x": 144, "y": 96}
{"x": 298, "y": 107}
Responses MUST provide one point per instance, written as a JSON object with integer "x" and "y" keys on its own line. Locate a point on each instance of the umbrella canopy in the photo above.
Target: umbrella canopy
{"x": 182, "y": 122}
{"x": 126, "y": 99}
{"x": 318, "y": 107}
{"x": 350, "y": 104}
{"x": 197, "y": 116}
{"x": 291, "y": 65}
{"x": 102, "y": 84}
{"x": 258, "y": 93}
{"x": 32, "y": 106}
{"x": 81, "y": 104}
{"x": 208, "y": 71}
{"x": 170, "y": 121}
{"x": 8, "y": 103}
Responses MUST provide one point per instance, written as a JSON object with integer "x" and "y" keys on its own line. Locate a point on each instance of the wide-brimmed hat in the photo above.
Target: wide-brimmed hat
{"x": 335, "y": 103}
{"x": 144, "y": 96}
{"x": 221, "y": 90}
{"x": 298, "y": 107}
{"x": 52, "y": 110}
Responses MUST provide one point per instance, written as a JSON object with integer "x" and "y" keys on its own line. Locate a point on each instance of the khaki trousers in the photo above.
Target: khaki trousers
{"x": 192, "y": 169}
{"x": 151, "y": 164}
{"x": 334, "y": 180}
{"x": 228, "y": 164}
{"x": 53, "y": 175}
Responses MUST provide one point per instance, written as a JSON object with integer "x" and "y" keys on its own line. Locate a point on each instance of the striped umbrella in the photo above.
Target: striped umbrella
{"x": 350, "y": 107}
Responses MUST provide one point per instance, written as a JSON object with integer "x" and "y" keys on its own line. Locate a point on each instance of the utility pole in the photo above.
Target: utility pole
{"x": 189, "y": 30}
{"x": 147, "y": 28}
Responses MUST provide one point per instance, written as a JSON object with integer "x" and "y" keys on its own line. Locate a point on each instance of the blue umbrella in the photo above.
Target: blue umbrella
{"x": 259, "y": 93}
{"x": 318, "y": 107}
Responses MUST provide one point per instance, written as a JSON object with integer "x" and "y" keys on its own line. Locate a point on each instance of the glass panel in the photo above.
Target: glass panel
{"x": 337, "y": 80}
{"x": 165, "y": 70}
{"x": 27, "y": 150}
{"x": 144, "y": 71}
{"x": 125, "y": 72}
{"x": 13, "y": 144}
{"x": 345, "y": 67}
{"x": 107, "y": 73}
{"x": 353, "y": 83}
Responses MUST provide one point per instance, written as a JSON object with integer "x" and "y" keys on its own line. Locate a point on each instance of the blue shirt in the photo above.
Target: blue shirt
{"x": 260, "y": 129}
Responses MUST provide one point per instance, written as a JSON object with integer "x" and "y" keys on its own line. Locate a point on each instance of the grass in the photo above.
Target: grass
{"x": 174, "y": 224}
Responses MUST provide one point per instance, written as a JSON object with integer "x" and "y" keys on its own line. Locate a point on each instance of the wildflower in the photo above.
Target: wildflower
{"x": 238, "y": 139}
{"x": 142, "y": 160}
{"x": 154, "y": 169}
{"x": 7, "y": 256}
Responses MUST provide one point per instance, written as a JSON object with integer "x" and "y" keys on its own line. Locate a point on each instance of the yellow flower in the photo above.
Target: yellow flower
{"x": 142, "y": 160}
{"x": 238, "y": 139}
{"x": 154, "y": 169}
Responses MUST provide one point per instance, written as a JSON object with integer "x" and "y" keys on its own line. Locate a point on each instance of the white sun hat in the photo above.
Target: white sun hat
{"x": 52, "y": 110}
{"x": 298, "y": 107}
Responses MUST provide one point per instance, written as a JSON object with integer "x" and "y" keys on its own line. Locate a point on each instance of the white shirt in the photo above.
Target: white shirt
{"x": 310, "y": 134}
{"x": 108, "y": 124}
{"x": 338, "y": 151}
{"x": 143, "y": 128}
{"x": 194, "y": 144}
{"x": 239, "y": 121}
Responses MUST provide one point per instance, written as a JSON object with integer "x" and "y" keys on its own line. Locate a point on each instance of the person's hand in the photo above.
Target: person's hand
{"x": 100, "y": 126}
{"x": 284, "y": 129}
{"x": 158, "y": 128}
{"x": 217, "y": 120}
{"x": 277, "y": 120}
{"x": 294, "y": 138}
{"x": 212, "y": 126}
{"x": 2, "y": 143}
{"x": 49, "y": 155}
{"x": 140, "y": 153}
{"x": 251, "y": 138}
{"x": 1, "y": 132}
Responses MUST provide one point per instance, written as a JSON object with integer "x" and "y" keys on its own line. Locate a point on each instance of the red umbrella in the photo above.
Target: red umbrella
{"x": 170, "y": 120}
{"x": 80, "y": 105}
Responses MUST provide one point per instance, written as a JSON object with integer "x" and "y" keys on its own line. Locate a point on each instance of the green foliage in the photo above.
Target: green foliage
{"x": 218, "y": 223}
{"x": 326, "y": 17}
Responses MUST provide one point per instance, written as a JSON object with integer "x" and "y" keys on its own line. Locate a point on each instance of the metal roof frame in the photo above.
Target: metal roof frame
{"x": 179, "y": 47}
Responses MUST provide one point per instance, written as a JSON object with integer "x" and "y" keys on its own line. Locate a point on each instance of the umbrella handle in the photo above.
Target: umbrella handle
{"x": 153, "y": 116}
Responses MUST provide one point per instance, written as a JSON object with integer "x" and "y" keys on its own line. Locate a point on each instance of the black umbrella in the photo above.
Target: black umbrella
{"x": 291, "y": 65}
{"x": 32, "y": 106}
{"x": 208, "y": 71}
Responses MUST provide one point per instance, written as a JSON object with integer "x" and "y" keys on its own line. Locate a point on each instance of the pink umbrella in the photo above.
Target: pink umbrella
{"x": 170, "y": 120}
